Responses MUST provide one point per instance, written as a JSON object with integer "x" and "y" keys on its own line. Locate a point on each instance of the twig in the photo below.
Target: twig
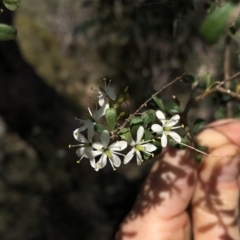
{"x": 147, "y": 101}
{"x": 229, "y": 92}
{"x": 197, "y": 150}
{"x": 226, "y": 66}
{"x": 206, "y": 93}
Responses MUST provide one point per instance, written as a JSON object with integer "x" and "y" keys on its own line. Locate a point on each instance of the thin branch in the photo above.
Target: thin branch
{"x": 197, "y": 150}
{"x": 147, "y": 101}
{"x": 227, "y": 66}
{"x": 229, "y": 92}
{"x": 206, "y": 93}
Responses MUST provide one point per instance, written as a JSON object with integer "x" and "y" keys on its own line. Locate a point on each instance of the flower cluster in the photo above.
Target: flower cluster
{"x": 151, "y": 131}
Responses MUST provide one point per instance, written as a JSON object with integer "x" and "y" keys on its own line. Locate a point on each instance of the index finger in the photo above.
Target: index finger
{"x": 216, "y": 196}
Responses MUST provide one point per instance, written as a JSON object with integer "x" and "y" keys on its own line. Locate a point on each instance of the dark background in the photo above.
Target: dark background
{"x": 63, "y": 49}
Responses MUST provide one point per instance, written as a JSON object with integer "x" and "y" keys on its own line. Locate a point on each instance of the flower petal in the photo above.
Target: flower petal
{"x": 105, "y": 138}
{"x": 131, "y": 143}
{"x": 175, "y": 136}
{"x": 101, "y": 100}
{"x": 90, "y": 132}
{"x": 149, "y": 147}
{"x": 79, "y": 137}
{"x": 157, "y": 128}
{"x": 116, "y": 161}
{"x": 80, "y": 151}
{"x": 160, "y": 115}
{"x": 93, "y": 162}
{"x": 110, "y": 93}
{"x": 140, "y": 133}
{"x": 96, "y": 153}
{"x": 118, "y": 146}
{"x": 89, "y": 110}
{"x": 101, "y": 112}
{"x": 129, "y": 156}
{"x": 102, "y": 161}
{"x": 88, "y": 153}
{"x": 173, "y": 121}
{"x": 139, "y": 158}
{"x": 97, "y": 145}
{"x": 164, "y": 140}
{"x": 84, "y": 127}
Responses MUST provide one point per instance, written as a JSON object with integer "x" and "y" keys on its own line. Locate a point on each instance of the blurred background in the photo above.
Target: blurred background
{"x": 63, "y": 48}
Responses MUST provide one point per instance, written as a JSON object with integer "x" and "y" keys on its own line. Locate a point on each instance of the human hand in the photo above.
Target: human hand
{"x": 181, "y": 198}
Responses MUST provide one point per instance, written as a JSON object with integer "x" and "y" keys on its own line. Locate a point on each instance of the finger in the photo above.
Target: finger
{"x": 159, "y": 212}
{"x": 215, "y": 200}
{"x": 220, "y": 133}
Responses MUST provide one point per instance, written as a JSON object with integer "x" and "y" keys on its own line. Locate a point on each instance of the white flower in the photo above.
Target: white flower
{"x": 93, "y": 119}
{"x": 105, "y": 94}
{"x": 138, "y": 147}
{"x": 167, "y": 126}
{"x": 108, "y": 152}
{"x": 85, "y": 149}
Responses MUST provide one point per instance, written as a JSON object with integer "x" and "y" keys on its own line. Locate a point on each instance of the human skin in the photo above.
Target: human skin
{"x": 181, "y": 198}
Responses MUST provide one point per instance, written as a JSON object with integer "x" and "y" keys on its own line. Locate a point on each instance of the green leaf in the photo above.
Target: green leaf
{"x": 173, "y": 108}
{"x": 125, "y": 134}
{"x": 215, "y": 24}
{"x": 159, "y": 102}
{"x": 198, "y": 125}
{"x": 146, "y": 156}
{"x": 7, "y": 32}
{"x": 188, "y": 78}
{"x": 136, "y": 120}
{"x": 11, "y": 5}
{"x": 122, "y": 114}
{"x": 149, "y": 117}
{"x": 135, "y": 123}
{"x": 111, "y": 117}
{"x": 99, "y": 128}
{"x": 208, "y": 79}
{"x": 147, "y": 135}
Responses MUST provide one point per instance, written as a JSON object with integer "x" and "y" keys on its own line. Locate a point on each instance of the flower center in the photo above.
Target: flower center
{"x": 167, "y": 129}
{"x": 108, "y": 153}
{"x": 140, "y": 148}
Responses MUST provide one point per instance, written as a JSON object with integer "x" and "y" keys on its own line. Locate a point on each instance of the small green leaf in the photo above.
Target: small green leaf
{"x": 111, "y": 117}
{"x": 122, "y": 114}
{"x": 146, "y": 156}
{"x": 173, "y": 108}
{"x": 198, "y": 125}
{"x": 157, "y": 143}
{"x": 135, "y": 123}
{"x": 11, "y": 5}
{"x": 125, "y": 90}
{"x": 159, "y": 102}
{"x": 215, "y": 24}
{"x": 136, "y": 120}
{"x": 208, "y": 80}
{"x": 188, "y": 78}
{"x": 147, "y": 135}
{"x": 125, "y": 134}
{"x": 99, "y": 128}
{"x": 149, "y": 117}
{"x": 7, "y": 32}
{"x": 101, "y": 89}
